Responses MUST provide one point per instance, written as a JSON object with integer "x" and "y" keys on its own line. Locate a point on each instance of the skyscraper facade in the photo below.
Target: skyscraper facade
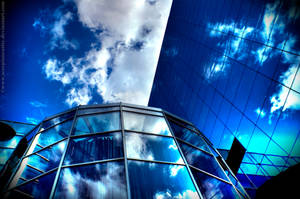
{"x": 232, "y": 68}
{"x": 121, "y": 151}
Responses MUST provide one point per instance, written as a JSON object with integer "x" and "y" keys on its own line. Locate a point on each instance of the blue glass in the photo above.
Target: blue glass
{"x": 151, "y": 147}
{"x": 40, "y": 188}
{"x": 20, "y": 128}
{"x": 52, "y": 135}
{"x": 258, "y": 137}
{"x": 5, "y": 154}
{"x": 202, "y": 160}
{"x": 189, "y": 136}
{"x": 96, "y": 110}
{"x": 142, "y": 111}
{"x": 58, "y": 119}
{"x": 105, "y": 180}
{"x": 12, "y": 143}
{"x": 145, "y": 123}
{"x": 152, "y": 180}
{"x": 92, "y": 148}
{"x": 213, "y": 188}
{"x": 43, "y": 161}
{"x": 97, "y": 123}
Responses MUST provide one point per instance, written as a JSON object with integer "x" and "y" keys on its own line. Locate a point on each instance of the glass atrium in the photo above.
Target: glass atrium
{"x": 121, "y": 151}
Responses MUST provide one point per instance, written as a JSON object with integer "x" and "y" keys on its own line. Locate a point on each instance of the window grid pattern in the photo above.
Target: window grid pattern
{"x": 147, "y": 151}
{"x": 224, "y": 68}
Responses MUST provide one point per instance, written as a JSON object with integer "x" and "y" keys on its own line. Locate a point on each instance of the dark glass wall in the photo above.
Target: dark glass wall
{"x": 232, "y": 68}
{"x": 121, "y": 151}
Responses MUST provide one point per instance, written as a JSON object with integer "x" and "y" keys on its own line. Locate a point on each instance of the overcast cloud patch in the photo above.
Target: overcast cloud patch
{"x": 130, "y": 34}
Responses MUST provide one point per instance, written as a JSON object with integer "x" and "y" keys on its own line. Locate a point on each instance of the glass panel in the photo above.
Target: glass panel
{"x": 94, "y": 148}
{"x": 97, "y": 123}
{"x": 106, "y": 180}
{"x": 142, "y": 111}
{"x": 19, "y": 127}
{"x": 213, "y": 188}
{"x": 52, "y": 135}
{"x": 146, "y": 123}
{"x": 39, "y": 188}
{"x": 202, "y": 160}
{"x": 170, "y": 119}
{"x": 12, "y": 143}
{"x": 57, "y": 119}
{"x": 5, "y": 154}
{"x": 96, "y": 110}
{"x": 236, "y": 184}
{"x": 189, "y": 136}
{"x": 152, "y": 180}
{"x": 151, "y": 147}
{"x": 43, "y": 161}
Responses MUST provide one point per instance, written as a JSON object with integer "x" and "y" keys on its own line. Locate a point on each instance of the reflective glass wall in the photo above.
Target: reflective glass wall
{"x": 121, "y": 151}
{"x": 232, "y": 68}
{"x": 7, "y": 147}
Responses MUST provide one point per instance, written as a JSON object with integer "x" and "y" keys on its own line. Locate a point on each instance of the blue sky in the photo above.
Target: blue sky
{"x": 60, "y": 54}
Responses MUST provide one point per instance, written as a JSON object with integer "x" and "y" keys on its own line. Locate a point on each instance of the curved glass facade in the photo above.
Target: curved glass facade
{"x": 121, "y": 151}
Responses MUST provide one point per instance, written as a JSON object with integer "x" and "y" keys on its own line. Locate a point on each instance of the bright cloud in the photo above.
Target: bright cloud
{"x": 137, "y": 147}
{"x": 32, "y": 120}
{"x": 37, "y": 104}
{"x": 231, "y": 47}
{"x": 273, "y": 24}
{"x": 279, "y": 100}
{"x": 186, "y": 194}
{"x": 123, "y": 69}
{"x": 260, "y": 112}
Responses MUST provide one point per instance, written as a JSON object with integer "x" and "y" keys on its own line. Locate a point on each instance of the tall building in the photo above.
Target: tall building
{"x": 120, "y": 151}
{"x": 232, "y": 68}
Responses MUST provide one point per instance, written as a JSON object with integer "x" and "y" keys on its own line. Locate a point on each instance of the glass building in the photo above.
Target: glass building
{"x": 8, "y": 146}
{"x": 232, "y": 68}
{"x": 121, "y": 151}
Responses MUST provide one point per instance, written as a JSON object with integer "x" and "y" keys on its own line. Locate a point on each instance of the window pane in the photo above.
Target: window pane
{"x": 43, "y": 161}
{"x": 106, "y": 180}
{"x": 5, "y": 154}
{"x": 146, "y": 123}
{"x": 202, "y": 160}
{"x": 39, "y": 188}
{"x": 96, "y": 110}
{"x": 57, "y": 119}
{"x": 52, "y": 135}
{"x": 142, "y": 111}
{"x": 94, "y": 148}
{"x": 213, "y": 188}
{"x": 151, "y": 147}
{"x": 20, "y": 128}
{"x": 97, "y": 123}
{"x": 152, "y": 180}
{"x": 12, "y": 143}
{"x": 189, "y": 136}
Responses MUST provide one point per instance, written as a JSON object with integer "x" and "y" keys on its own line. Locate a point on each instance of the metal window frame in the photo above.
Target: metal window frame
{"x": 184, "y": 160}
{"x": 54, "y": 185}
{"x": 167, "y": 116}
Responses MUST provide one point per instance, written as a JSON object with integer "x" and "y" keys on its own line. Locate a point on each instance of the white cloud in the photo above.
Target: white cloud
{"x": 37, "y": 104}
{"x": 231, "y": 47}
{"x": 187, "y": 194}
{"x": 32, "y": 120}
{"x": 285, "y": 99}
{"x": 137, "y": 148}
{"x": 57, "y": 31}
{"x": 131, "y": 37}
{"x": 260, "y": 112}
{"x": 101, "y": 185}
{"x": 78, "y": 96}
